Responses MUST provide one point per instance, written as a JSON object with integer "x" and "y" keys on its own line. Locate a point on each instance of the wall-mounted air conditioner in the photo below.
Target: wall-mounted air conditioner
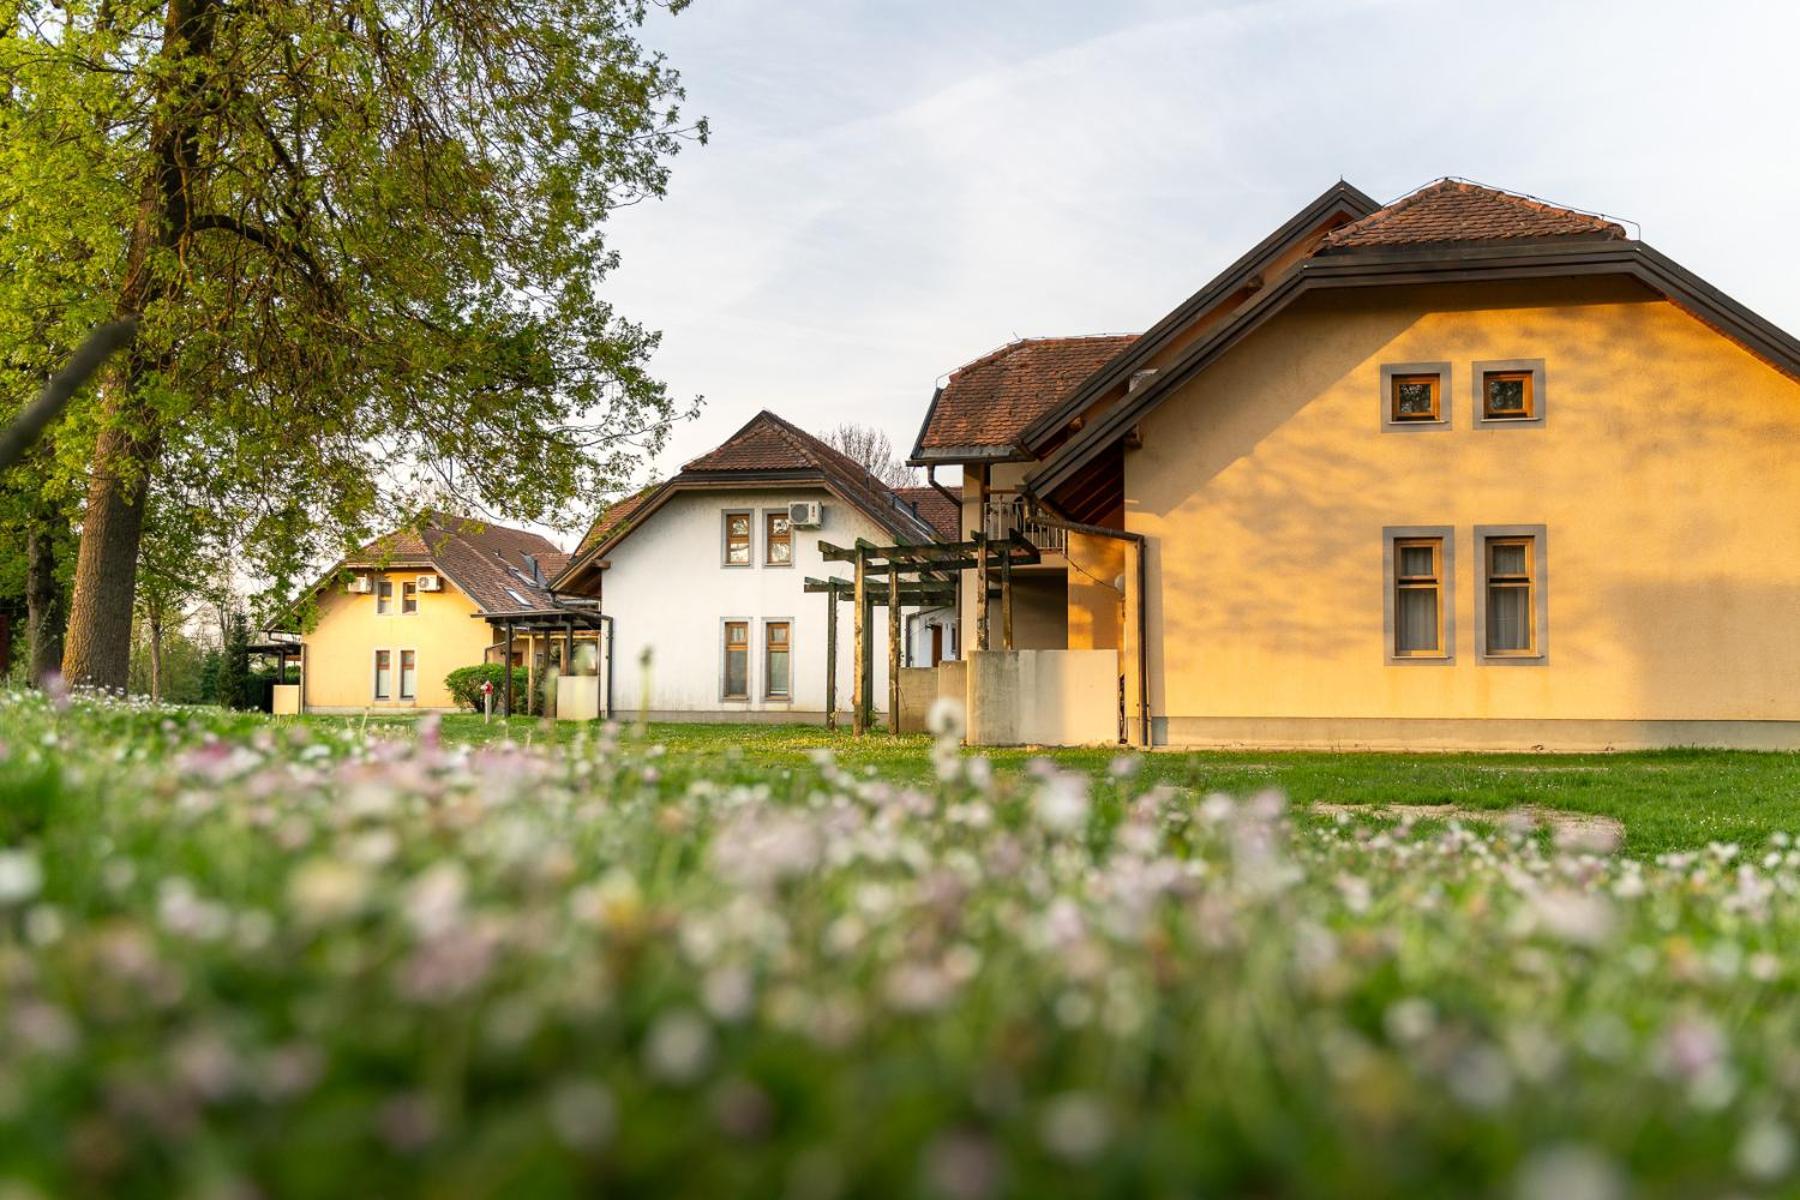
{"x": 430, "y": 583}
{"x": 806, "y": 514}
{"x": 362, "y": 585}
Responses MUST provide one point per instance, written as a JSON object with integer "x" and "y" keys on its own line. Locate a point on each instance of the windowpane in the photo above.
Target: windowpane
{"x": 779, "y": 538}
{"x": 409, "y": 597}
{"x": 384, "y": 596}
{"x": 737, "y": 539}
{"x": 1508, "y": 558}
{"x": 1416, "y": 562}
{"x": 383, "y": 674}
{"x": 408, "y": 674}
{"x": 1508, "y": 394}
{"x": 1416, "y": 621}
{"x": 1415, "y": 397}
{"x": 737, "y": 659}
{"x": 775, "y": 674}
{"x": 1509, "y": 618}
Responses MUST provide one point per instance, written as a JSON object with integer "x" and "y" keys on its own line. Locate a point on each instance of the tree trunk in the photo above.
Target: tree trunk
{"x": 98, "y": 651}
{"x": 43, "y": 600}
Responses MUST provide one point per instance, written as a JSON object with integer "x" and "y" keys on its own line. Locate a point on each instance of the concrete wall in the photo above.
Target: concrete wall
{"x": 669, "y": 593}
{"x": 1666, "y": 475}
{"x": 918, "y": 692}
{"x": 578, "y": 697}
{"x": 339, "y": 664}
{"x": 1043, "y": 698}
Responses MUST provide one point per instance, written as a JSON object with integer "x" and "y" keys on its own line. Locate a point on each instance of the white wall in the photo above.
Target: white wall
{"x": 667, "y": 590}
{"x": 918, "y": 634}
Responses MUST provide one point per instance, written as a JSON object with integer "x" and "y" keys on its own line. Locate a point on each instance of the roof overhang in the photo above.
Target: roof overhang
{"x": 1391, "y": 267}
{"x": 939, "y": 456}
{"x": 1339, "y": 203}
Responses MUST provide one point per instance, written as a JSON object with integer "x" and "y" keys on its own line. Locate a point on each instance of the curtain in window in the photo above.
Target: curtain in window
{"x": 1508, "y": 613}
{"x": 737, "y": 659}
{"x": 1416, "y": 621}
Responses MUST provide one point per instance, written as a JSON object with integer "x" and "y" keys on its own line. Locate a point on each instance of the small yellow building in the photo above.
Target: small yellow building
{"x": 1465, "y": 470}
{"x": 389, "y": 623}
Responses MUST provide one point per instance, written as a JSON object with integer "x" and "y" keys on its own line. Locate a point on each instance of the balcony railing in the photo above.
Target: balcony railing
{"x": 1006, "y": 515}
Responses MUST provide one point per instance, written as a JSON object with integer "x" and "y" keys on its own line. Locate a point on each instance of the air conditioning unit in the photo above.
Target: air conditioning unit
{"x": 362, "y": 585}
{"x": 430, "y": 583}
{"x": 805, "y": 514}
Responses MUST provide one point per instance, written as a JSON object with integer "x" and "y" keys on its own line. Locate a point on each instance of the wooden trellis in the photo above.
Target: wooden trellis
{"x": 880, "y": 580}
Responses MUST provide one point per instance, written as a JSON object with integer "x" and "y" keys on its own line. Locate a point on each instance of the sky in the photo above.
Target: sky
{"x": 895, "y": 187}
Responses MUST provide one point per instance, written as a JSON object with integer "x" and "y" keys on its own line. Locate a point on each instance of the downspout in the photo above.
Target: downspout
{"x": 1143, "y": 623}
{"x": 607, "y": 622}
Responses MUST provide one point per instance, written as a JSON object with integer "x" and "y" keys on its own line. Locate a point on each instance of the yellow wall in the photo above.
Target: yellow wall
{"x": 1096, "y": 602}
{"x": 340, "y": 650}
{"x": 1667, "y": 473}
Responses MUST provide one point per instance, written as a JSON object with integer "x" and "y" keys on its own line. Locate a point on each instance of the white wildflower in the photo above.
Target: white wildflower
{"x": 679, "y": 1047}
{"x": 323, "y": 890}
{"x": 434, "y": 899}
{"x": 1765, "y": 1152}
{"x": 20, "y": 877}
{"x": 583, "y": 1114}
{"x": 945, "y": 719}
{"x": 1075, "y": 1127}
{"x": 1569, "y": 1172}
{"x": 1062, "y": 802}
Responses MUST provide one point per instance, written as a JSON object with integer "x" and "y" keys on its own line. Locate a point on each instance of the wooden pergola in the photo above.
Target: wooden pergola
{"x": 545, "y": 625}
{"x": 881, "y": 579}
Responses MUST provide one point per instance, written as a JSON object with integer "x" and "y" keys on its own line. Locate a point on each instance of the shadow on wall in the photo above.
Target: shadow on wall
{"x": 1667, "y": 472}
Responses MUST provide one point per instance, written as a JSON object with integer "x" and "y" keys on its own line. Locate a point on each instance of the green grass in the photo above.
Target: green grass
{"x": 1667, "y": 800}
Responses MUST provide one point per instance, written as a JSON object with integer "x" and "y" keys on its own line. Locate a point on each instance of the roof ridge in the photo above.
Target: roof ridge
{"x": 1000, "y": 351}
{"x": 1594, "y": 223}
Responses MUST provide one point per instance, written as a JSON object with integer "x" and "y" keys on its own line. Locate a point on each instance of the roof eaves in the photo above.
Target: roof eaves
{"x": 1351, "y": 200}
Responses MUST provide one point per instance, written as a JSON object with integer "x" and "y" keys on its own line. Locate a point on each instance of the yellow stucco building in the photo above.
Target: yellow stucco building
{"x": 1466, "y": 470}
{"x": 389, "y": 623}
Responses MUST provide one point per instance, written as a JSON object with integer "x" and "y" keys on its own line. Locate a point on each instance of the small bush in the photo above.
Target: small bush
{"x": 465, "y": 687}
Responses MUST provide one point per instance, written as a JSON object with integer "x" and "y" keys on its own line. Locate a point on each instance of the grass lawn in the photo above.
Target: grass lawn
{"x": 1667, "y": 800}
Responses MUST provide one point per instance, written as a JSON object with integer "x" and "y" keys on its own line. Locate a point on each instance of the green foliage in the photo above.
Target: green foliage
{"x": 233, "y": 687}
{"x": 465, "y": 688}
{"x": 385, "y": 251}
{"x": 291, "y": 959}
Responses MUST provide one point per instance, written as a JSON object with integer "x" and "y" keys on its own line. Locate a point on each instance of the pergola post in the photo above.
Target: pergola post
{"x": 1006, "y": 628}
{"x": 893, "y": 618}
{"x": 831, "y": 600}
{"x": 859, "y": 696}
{"x": 981, "y": 588}
{"x": 506, "y": 675}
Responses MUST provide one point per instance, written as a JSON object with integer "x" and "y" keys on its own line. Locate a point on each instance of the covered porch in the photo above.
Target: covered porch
{"x": 571, "y": 645}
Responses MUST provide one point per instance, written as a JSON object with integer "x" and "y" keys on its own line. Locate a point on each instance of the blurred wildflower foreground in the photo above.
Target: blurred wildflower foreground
{"x": 295, "y": 961}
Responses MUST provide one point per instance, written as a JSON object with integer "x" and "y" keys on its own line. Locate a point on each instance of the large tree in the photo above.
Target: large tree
{"x": 364, "y": 238}
{"x": 873, "y": 450}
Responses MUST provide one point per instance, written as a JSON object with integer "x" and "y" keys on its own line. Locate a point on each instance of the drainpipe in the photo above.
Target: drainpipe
{"x": 607, "y": 621}
{"x": 1143, "y": 624}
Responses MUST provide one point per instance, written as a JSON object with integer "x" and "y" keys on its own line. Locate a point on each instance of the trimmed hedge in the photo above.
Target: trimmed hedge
{"x": 465, "y": 687}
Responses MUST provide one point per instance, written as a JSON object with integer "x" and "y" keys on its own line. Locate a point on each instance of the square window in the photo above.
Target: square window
{"x": 1506, "y": 395}
{"x": 1415, "y": 398}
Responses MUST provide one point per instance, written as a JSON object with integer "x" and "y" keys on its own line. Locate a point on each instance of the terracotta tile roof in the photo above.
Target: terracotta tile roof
{"x": 943, "y": 515}
{"x": 987, "y": 403}
{"x": 1454, "y": 210}
{"x": 766, "y": 450}
{"x": 491, "y": 563}
{"x": 616, "y": 514}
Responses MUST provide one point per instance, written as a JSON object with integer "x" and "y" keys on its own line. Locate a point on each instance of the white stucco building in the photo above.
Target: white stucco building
{"x": 701, "y": 580}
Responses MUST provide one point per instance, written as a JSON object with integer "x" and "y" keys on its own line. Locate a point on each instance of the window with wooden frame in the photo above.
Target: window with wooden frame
{"x": 777, "y": 660}
{"x": 409, "y": 674}
{"x": 1511, "y": 579}
{"x": 409, "y": 598}
{"x": 383, "y": 674}
{"x": 778, "y": 539}
{"x": 737, "y": 539}
{"x": 1415, "y": 398}
{"x": 1419, "y": 597}
{"x": 737, "y": 660}
{"x": 1507, "y": 396}
{"x": 384, "y": 597}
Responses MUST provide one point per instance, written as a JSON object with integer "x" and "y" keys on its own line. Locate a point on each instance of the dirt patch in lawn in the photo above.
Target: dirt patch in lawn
{"x": 1589, "y": 831}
